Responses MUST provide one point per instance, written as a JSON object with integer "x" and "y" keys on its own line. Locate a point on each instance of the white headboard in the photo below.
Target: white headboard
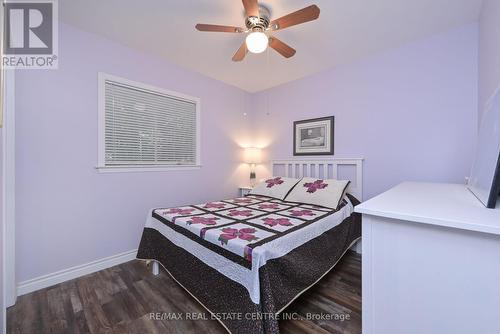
{"x": 325, "y": 169}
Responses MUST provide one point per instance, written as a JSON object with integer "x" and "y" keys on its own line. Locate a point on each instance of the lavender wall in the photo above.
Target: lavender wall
{"x": 489, "y": 51}
{"x": 410, "y": 112}
{"x": 69, "y": 214}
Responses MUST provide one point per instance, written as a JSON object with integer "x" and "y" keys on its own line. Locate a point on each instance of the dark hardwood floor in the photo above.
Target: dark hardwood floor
{"x": 120, "y": 300}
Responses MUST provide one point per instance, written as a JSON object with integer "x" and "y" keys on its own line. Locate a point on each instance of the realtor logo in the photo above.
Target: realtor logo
{"x": 30, "y": 38}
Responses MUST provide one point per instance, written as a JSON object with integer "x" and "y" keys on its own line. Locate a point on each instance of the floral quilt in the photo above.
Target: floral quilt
{"x": 256, "y": 254}
{"x": 239, "y": 225}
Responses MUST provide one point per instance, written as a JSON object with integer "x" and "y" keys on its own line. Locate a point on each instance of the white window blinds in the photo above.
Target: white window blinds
{"x": 146, "y": 128}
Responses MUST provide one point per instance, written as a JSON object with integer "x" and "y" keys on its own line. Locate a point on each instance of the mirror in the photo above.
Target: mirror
{"x": 484, "y": 181}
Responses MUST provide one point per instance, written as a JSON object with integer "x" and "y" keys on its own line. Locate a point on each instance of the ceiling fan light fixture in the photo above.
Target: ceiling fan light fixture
{"x": 257, "y": 23}
{"x": 257, "y": 42}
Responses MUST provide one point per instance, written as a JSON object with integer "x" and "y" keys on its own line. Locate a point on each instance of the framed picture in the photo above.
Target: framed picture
{"x": 313, "y": 136}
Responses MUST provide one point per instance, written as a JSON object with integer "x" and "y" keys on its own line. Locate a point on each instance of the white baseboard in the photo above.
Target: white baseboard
{"x": 73, "y": 272}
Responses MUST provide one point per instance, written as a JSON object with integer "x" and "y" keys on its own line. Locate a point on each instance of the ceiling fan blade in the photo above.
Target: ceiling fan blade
{"x": 251, "y": 7}
{"x": 282, "y": 48}
{"x": 241, "y": 53}
{"x": 218, "y": 28}
{"x": 301, "y": 16}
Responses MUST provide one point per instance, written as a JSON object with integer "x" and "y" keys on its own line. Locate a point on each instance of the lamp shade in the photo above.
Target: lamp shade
{"x": 252, "y": 155}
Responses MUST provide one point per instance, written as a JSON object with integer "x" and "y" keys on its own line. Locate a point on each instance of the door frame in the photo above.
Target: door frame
{"x": 7, "y": 219}
{"x": 9, "y": 190}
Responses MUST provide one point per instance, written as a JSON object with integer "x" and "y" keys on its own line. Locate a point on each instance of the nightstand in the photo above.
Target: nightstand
{"x": 244, "y": 191}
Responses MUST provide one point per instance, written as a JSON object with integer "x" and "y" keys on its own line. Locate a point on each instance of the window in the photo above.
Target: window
{"x": 144, "y": 127}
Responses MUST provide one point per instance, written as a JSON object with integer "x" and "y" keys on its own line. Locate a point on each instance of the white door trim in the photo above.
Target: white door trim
{"x": 9, "y": 187}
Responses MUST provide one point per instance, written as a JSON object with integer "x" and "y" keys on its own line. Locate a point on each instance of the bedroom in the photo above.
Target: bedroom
{"x": 140, "y": 112}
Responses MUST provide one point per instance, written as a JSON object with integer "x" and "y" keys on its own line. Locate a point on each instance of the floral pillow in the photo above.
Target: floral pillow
{"x": 276, "y": 187}
{"x": 328, "y": 193}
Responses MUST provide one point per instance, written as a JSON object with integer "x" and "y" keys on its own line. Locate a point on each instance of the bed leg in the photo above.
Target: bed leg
{"x": 357, "y": 247}
{"x": 156, "y": 268}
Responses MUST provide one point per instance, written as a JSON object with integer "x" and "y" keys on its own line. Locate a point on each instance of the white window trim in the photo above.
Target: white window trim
{"x": 101, "y": 161}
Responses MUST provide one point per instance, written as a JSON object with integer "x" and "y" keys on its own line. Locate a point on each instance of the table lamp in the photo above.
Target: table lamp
{"x": 252, "y": 156}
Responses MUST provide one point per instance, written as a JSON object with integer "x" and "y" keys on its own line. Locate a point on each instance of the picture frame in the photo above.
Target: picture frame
{"x": 314, "y": 136}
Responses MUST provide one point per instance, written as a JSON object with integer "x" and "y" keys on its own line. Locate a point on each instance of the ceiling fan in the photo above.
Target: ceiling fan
{"x": 257, "y": 23}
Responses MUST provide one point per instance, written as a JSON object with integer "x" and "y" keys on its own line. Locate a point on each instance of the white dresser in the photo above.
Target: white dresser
{"x": 431, "y": 261}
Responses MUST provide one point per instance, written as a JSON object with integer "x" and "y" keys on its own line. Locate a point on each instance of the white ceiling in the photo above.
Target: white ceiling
{"x": 345, "y": 31}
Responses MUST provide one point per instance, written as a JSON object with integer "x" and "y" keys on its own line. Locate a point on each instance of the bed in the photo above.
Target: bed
{"x": 246, "y": 259}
